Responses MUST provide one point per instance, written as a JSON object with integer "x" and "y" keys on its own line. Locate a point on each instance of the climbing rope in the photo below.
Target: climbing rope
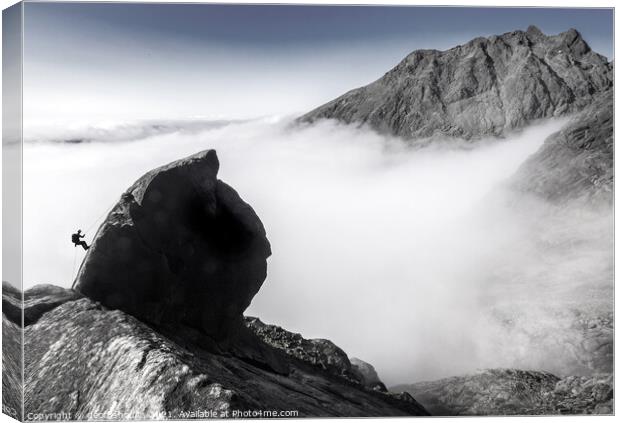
{"x": 73, "y": 272}
{"x": 100, "y": 217}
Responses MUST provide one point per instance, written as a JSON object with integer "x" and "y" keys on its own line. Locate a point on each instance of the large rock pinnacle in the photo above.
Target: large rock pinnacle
{"x": 180, "y": 246}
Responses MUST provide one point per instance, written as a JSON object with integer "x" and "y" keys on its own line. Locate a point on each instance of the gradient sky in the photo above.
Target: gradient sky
{"x": 97, "y": 62}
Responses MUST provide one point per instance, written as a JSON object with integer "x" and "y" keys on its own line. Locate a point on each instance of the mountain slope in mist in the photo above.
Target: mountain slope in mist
{"x": 550, "y": 223}
{"x": 485, "y": 87}
{"x": 577, "y": 161}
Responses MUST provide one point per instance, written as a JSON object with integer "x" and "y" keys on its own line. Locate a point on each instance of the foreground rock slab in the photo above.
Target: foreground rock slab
{"x": 85, "y": 361}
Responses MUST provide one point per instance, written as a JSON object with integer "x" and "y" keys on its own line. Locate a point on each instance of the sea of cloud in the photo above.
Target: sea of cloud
{"x": 397, "y": 254}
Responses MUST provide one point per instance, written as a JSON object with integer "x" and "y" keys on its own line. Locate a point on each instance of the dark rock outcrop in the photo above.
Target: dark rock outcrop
{"x": 318, "y": 352}
{"x": 483, "y": 88}
{"x": 90, "y": 362}
{"x": 321, "y": 353}
{"x": 179, "y": 246}
{"x": 576, "y": 162}
{"x": 367, "y": 374}
{"x": 515, "y": 392}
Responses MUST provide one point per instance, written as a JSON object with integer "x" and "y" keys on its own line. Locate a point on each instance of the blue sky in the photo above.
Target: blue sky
{"x": 181, "y": 60}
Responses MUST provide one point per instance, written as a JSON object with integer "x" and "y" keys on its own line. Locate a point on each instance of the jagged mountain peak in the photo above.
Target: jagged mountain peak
{"x": 534, "y": 30}
{"x": 487, "y": 86}
{"x": 533, "y": 38}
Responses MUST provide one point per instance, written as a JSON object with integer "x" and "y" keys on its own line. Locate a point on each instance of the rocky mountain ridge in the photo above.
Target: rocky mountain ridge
{"x": 486, "y": 87}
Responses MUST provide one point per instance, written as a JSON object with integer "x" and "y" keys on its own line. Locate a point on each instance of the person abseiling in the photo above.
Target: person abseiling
{"x": 76, "y": 239}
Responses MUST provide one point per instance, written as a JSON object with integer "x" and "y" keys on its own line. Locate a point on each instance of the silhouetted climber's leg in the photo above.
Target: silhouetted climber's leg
{"x": 84, "y": 245}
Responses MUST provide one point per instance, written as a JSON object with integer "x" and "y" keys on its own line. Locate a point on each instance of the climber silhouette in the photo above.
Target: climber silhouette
{"x": 75, "y": 238}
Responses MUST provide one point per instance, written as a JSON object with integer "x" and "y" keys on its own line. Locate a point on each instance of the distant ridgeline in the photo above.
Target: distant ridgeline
{"x": 487, "y": 86}
{"x": 490, "y": 86}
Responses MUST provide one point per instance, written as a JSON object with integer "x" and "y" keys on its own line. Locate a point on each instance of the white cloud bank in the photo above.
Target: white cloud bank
{"x": 390, "y": 252}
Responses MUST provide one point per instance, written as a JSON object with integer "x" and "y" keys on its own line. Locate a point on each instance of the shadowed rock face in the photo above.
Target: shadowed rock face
{"x": 483, "y": 88}
{"x": 91, "y": 362}
{"x": 179, "y": 246}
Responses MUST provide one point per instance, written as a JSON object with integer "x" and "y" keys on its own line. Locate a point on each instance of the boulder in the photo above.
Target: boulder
{"x": 180, "y": 246}
{"x": 367, "y": 374}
